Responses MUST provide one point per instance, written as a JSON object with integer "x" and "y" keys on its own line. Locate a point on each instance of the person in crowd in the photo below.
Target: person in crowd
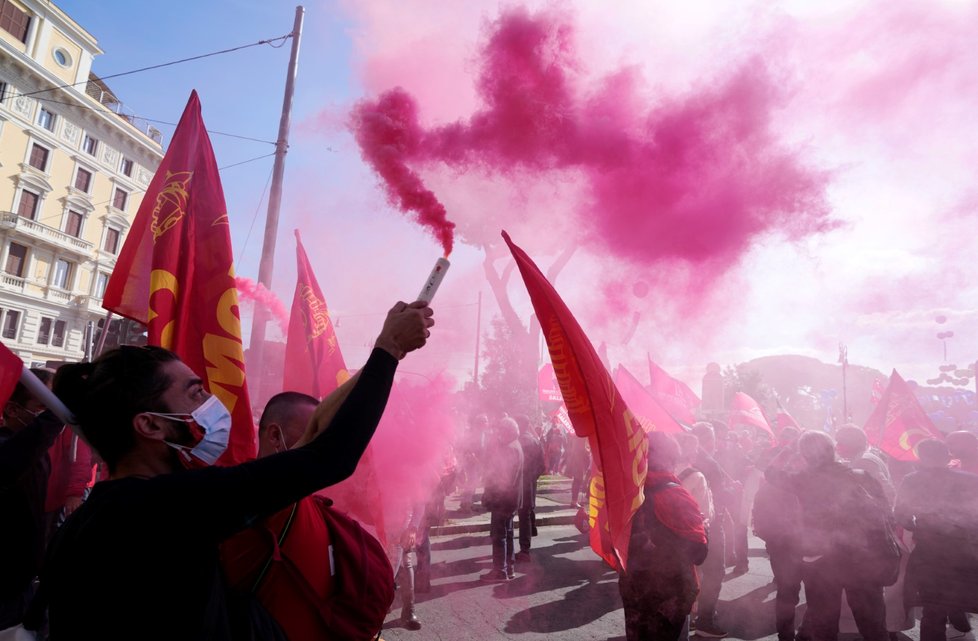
{"x": 659, "y": 587}
{"x": 140, "y": 556}
{"x": 836, "y": 505}
{"x": 578, "y": 466}
{"x": 940, "y": 506}
{"x": 777, "y": 521}
{"x": 472, "y": 448}
{"x": 502, "y": 495}
{"x": 72, "y": 471}
{"x": 963, "y": 448}
{"x": 721, "y": 488}
{"x": 734, "y": 458}
{"x": 852, "y": 446}
{"x": 692, "y": 480}
{"x": 533, "y": 469}
{"x": 27, "y": 435}
{"x": 247, "y": 558}
{"x": 554, "y": 444}
{"x": 404, "y": 558}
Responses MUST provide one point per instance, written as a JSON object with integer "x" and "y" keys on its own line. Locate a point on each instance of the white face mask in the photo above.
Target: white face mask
{"x": 214, "y": 423}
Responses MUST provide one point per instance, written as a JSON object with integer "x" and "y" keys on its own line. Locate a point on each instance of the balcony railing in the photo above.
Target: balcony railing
{"x": 9, "y": 281}
{"x": 10, "y": 220}
{"x": 108, "y": 100}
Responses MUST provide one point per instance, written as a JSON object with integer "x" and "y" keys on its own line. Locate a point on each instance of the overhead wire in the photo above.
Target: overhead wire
{"x": 168, "y": 64}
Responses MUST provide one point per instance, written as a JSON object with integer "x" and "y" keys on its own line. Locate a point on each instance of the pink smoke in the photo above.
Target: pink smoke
{"x": 413, "y": 444}
{"x": 696, "y": 178}
{"x": 388, "y": 134}
{"x": 257, "y": 294}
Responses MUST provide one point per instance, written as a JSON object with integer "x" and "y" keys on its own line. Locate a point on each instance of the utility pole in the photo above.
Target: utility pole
{"x": 844, "y": 359}
{"x": 267, "y": 264}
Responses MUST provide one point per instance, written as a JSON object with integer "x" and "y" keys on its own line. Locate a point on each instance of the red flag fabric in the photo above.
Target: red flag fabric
{"x": 314, "y": 365}
{"x": 10, "y": 368}
{"x": 646, "y": 409}
{"x": 313, "y": 362}
{"x": 898, "y": 422}
{"x": 744, "y": 410}
{"x": 175, "y": 274}
{"x": 598, "y": 412}
{"x": 784, "y": 419}
{"x": 675, "y": 396}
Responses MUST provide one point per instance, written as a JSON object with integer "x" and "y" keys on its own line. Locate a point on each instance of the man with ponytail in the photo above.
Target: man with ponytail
{"x": 139, "y": 559}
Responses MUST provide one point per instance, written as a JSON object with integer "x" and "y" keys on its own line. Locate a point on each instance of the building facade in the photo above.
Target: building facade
{"x": 73, "y": 169}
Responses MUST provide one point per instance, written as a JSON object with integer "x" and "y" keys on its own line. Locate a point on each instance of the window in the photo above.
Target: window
{"x": 62, "y": 57}
{"x": 126, "y": 167}
{"x": 101, "y": 282}
{"x": 14, "y": 21}
{"x": 74, "y": 223}
{"x": 111, "y": 243}
{"x": 16, "y": 260}
{"x": 46, "y": 119}
{"x": 28, "y": 204}
{"x": 60, "y": 329}
{"x": 44, "y": 331}
{"x": 39, "y": 157}
{"x": 90, "y": 146}
{"x": 10, "y": 322}
{"x": 83, "y": 180}
{"x": 120, "y": 198}
{"x": 62, "y": 274}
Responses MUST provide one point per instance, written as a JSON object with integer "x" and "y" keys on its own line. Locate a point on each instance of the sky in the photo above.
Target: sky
{"x": 821, "y": 190}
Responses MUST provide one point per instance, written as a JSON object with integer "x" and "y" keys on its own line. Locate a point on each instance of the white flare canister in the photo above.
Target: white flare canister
{"x": 434, "y": 280}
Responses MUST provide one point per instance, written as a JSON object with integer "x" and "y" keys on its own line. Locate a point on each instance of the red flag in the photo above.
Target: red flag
{"x": 314, "y": 365}
{"x": 313, "y": 362}
{"x": 10, "y": 368}
{"x": 745, "y": 410}
{"x": 675, "y": 396}
{"x": 647, "y": 410}
{"x": 598, "y": 412}
{"x": 175, "y": 274}
{"x": 898, "y": 422}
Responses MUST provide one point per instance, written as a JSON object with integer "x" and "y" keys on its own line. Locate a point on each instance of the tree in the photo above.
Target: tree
{"x": 508, "y": 383}
{"x": 741, "y": 378}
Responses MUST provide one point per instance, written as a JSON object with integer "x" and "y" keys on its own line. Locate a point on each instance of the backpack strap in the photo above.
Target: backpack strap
{"x": 277, "y": 542}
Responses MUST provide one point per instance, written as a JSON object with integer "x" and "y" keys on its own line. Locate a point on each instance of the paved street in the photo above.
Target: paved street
{"x": 564, "y": 593}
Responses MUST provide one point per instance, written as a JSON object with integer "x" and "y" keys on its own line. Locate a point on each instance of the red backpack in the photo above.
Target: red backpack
{"x": 316, "y": 570}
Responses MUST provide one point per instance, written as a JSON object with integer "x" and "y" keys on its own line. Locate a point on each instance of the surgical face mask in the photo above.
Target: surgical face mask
{"x": 210, "y": 426}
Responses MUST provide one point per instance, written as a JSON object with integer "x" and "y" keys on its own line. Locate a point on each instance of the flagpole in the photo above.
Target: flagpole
{"x": 267, "y": 264}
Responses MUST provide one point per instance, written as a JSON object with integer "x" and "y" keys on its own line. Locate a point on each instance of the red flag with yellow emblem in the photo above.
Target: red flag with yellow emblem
{"x": 898, "y": 422}
{"x": 314, "y": 365}
{"x": 175, "y": 274}
{"x": 597, "y": 411}
{"x": 313, "y": 362}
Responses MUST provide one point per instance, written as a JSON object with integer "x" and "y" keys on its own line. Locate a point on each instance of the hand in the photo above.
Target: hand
{"x": 406, "y": 328}
{"x": 72, "y": 503}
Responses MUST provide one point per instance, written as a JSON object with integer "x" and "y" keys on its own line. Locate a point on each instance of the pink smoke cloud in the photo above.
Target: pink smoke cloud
{"x": 256, "y": 293}
{"x": 696, "y": 177}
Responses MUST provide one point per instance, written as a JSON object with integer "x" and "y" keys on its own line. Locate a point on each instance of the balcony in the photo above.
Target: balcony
{"x": 44, "y": 233}
{"x": 98, "y": 91}
{"x": 12, "y": 283}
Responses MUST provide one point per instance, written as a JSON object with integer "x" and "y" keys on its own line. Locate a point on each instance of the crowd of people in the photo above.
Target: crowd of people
{"x": 168, "y": 546}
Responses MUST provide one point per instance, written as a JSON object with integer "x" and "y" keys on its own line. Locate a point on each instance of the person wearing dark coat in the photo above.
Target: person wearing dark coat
{"x": 940, "y": 506}
{"x": 659, "y": 587}
{"x": 533, "y": 468}
{"x": 25, "y": 438}
{"x": 502, "y": 497}
{"x": 831, "y": 552}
